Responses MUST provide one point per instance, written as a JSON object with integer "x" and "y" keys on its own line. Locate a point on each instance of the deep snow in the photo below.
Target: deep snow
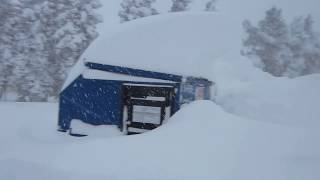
{"x": 246, "y": 91}
{"x": 177, "y": 43}
{"x": 259, "y": 127}
{"x": 193, "y": 146}
{"x": 201, "y": 141}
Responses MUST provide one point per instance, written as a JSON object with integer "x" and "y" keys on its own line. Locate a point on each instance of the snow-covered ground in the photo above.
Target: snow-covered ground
{"x": 201, "y": 142}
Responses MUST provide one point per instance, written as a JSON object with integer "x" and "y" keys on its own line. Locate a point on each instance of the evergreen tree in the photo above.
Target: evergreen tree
{"x": 267, "y": 42}
{"x": 17, "y": 44}
{"x": 40, "y": 40}
{"x": 66, "y": 28}
{"x": 297, "y": 43}
{"x": 133, "y": 9}
{"x": 275, "y": 31}
{"x": 280, "y": 49}
{"x": 211, "y": 5}
{"x": 311, "y": 52}
{"x": 180, "y": 5}
{"x": 8, "y": 12}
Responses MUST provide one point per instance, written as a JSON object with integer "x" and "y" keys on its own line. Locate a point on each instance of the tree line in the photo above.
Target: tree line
{"x": 133, "y": 9}
{"x": 39, "y": 41}
{"x": 281, "y": 48}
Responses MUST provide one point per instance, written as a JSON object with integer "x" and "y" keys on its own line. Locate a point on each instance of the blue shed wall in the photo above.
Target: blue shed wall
{"x": 97, "y": 102}
{"x": 100, "y": 102}
{"x": 93, "y": 101}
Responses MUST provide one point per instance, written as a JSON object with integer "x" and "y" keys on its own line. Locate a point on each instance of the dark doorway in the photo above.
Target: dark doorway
{"x": 146, "y": 106}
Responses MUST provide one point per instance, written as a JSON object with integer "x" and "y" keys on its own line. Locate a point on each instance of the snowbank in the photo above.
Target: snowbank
{"x": 200, "y": 142}
{"x": 248, "y": 92}
{"x": 103, "y": 131}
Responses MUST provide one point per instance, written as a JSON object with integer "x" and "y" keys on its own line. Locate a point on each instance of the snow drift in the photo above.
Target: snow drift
{"x": 200, "y": 142}
{"x": 248, "y": 92}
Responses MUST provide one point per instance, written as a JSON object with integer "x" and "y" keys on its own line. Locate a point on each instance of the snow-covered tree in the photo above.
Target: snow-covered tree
{"x": 180, "y": 5}
{"x": 280, "y": 49}
{"x": 8, "y": 12}
{"x": 211, "y": 5}
{"x": 133, "y": 9}
{"x": 296, "y": 43}
{"x": 267, "y": 42}
{"x": 17, "y": 45}
{"x": 305, "y": 48}
{"x": 311, "y": 51}
{"x": 66, "y": 28}
{"x": 40, "y": 40}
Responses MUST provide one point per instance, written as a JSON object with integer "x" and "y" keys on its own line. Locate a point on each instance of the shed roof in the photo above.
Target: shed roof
{"x": 176, "y": 43}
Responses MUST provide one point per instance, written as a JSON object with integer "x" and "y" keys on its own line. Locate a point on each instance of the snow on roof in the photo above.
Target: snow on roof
{"x": 175, "y": 43}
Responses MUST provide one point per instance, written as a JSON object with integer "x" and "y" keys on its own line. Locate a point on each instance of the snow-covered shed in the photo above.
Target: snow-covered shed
{"x": 140, "y": 74}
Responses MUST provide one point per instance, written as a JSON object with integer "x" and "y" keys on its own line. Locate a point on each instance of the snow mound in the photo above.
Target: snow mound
{"x": 178, "y": 43}
{"x": 248, "y": 92}
{"x": 200, "y": 142}
{"x": 102, "y": 131}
